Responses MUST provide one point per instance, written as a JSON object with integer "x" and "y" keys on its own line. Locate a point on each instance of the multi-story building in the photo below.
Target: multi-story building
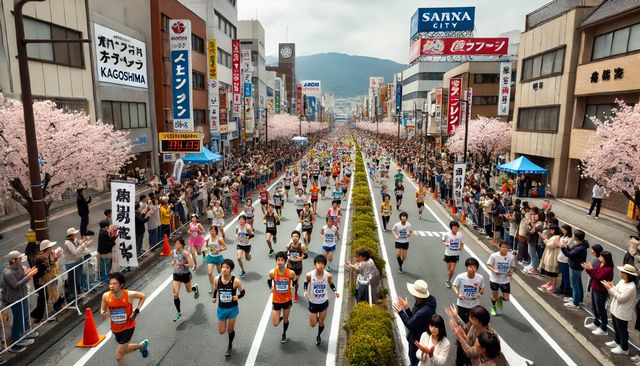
{"x": 609, "y": 49}
{"x": 161, "y": 12}
{"x": 287, "y": 66}
{"x": 417, "y": 80}
{"x": 60, "y": 72}
{"x": 543, "y": 112}
{"x": 251, "y": 35}
{"x": 123, "y": 67}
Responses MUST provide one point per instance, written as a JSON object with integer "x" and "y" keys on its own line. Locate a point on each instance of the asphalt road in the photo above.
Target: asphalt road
{"x": 528, "y": 329}
{"x": 195, "y": 337}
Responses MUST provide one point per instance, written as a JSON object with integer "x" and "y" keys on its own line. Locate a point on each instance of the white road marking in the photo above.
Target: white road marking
{"x": 86, "y": 357}
{"x": 429, "y": 233}
{"x": 543, "y": 333}
{"x": 392, "y": 286}
{"x": 337, "y": 310}
{"x": 421, "y": 233}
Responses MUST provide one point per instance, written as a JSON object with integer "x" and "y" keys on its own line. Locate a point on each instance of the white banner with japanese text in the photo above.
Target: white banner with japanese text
{"x": 123, "y": 200}
{"x": 504, "y": 95}
{"x": 459, "y": 172}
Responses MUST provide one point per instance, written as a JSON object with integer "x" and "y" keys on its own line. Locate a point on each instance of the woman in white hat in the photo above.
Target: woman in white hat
{"x": 46, "y": 262}
{"x": 623, "y": 296}
{"x": 74, "y": 251}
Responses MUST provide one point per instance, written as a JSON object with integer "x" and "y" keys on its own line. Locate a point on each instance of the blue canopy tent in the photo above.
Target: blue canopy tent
{"x": 522, "y": 165}
{"x": 205, "y": 157}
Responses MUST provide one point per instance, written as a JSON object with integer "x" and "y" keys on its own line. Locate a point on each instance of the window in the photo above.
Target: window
{"x": 199, "y": 116}
{"x": 618, "y": 42}
{"x": 164, "y": 22}
{"x": 198, "y": 80}
{"x": 600, "y": 111}
{"x": 69, "y": 54}
{"x": 224, "y": 58}
{"x": 414, "y": 95}
{"x": 423, "y": 76}
{"x": 197, "y": 43}
{"x": 226, "y": 27}
{"x": 486, "y": 78}
{"x": 124, "y": 115}
{"x": 545, "y": 64}
{"x": 486, "y": 100}
{"x": 539, "y": 119}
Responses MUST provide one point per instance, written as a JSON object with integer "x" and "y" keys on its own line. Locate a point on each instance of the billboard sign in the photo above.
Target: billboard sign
{"x": 180, "y": 41}
{"x": 120, "y": 59}
{"x": 398, "y": 97}
{"x": 236, "y": 77}
{"x": 504, "y": 94}
{"x": 212, "y": 69}
{"x": 311, "y": 87}
{"x": 277, "y": 89}
{"x": 453, "y": 113}
{"x": 459, "y": 47}
{"x": 442, "y": 20}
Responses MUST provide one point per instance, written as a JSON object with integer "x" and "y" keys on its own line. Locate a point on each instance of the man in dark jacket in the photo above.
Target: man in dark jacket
{"x": 83, "y": 212}
{"x": 577, "y": 255}
{"x": 417, "y": 319}
{"x": 105, "y": 244}
{"x": 141, "y": 219}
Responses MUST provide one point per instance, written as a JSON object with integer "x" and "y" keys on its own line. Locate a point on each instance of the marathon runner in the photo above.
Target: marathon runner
{"x": 344, "y": 183}
{"x": 421, "y": 193}
{"x": 313, "y": 192}
{"x": 386, "y": 209}
{"x": 218, "y": 218}
{"x": 299, "y": 200}
{"x": 278, "y": 200}
{"x": 271, "y": 220}
{"x": 296, "y": 180}
{"x": 501, "y": 266}
{"x": 117, "y": 303}
{"x": 398, "y": 177}
{"x": 214, "y": 246}
{"x": 282, "y": 277}
{"x": 264, "y": 198}
{"x": 244, "y": 232}
{"x": 287, "y": 184}
{"x": 306, "y": 220}
{"x": 337, "y": 193}
{"x": 182, "y": 261}
{"x": 315, "y": 172}
{"x": 329, "y": 234}
{"x": 399, "y": 191}
{"x": 335, "y": 213}
{"x": 227, "y": 290}
{"x": 295, "y": 254}
{"x": 196, "y": 239}
{"x": 249, "y": 211}
{"x": 454, "y": 245}
{"x": 319, "y": 280}
{"x": 402, "y": 231}
{"x": 469, "y": 287}
{"x": 304, "y": 180}
{"x": 323, "y": 185}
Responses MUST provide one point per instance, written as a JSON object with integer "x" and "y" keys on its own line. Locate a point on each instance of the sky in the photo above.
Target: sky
{"x": 376, "y": 28}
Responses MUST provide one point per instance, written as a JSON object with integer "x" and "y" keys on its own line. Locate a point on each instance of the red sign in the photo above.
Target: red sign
{"x": 453, "y": 112}
{"x": 235, "y": 61}
{"x": 299, "y": 100}
{"x": 458, "y": 47}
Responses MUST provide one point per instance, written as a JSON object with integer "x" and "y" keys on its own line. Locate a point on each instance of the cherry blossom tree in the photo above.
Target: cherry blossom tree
{"x": 488, "y": 137}
{"x": 73, "y": 152}
{"x": 384, "y": 128}
{"x": 614, "y": 158}
{"x": 285, "y": 125}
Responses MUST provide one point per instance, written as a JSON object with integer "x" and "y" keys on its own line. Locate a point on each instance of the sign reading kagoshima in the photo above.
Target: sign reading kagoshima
{"x": 443, "y": 20}
{"x": 120, "y": 59}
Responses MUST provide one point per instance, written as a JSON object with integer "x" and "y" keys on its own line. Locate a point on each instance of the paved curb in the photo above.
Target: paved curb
{"x": 584, "y": 342}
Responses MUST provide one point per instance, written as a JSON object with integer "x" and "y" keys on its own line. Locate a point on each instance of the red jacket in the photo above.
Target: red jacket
{"x": 598, "y": 274}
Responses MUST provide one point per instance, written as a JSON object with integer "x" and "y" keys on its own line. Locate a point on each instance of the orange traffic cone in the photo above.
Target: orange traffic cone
{"x": 453, "y": 209}
{"x": 435, "y": 194}
{"x": 464, "y": 216}
{"x": 235, "y": 209}
{"x": 90, "y": 338}
{"x": 166, "y": 249}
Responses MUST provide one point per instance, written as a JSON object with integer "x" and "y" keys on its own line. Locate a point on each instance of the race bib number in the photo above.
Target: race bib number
{"x": 294, "y": 255}
{"x": 402, "y": 233}
{"x": 503, "y": 267}
{"x": 282, "y": 286}
{"x": 420, "y": 197}
{"x": 270, "y": 224}
{"x": 263, "y": 197}
{"x": 243, "y": 237}
{"x": 225, "y": 296}
{"x": 454, "y": 245}
{"x": 470, "y": 292}
{"x": 118, "y": 316}
{"x": 319, "y": 289}
{"x": 329, "y": 238}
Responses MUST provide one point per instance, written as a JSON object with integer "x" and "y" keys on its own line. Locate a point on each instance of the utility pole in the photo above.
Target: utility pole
{"x": 38, "y": 212}
{"x": 266, "y": 128}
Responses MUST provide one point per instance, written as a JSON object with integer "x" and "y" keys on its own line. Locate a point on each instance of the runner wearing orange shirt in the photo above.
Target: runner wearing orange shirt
{"x": 279, "y": 281}
{"x": 314, "y": 190}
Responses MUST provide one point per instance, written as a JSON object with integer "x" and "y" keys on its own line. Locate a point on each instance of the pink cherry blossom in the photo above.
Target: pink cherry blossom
{"x": 285, "y": 125}
{"x": 384, "y": 128}
{"x": 488, "y": 137}
{"x": 614, "y": 158}
{"x": 74, "y": 153}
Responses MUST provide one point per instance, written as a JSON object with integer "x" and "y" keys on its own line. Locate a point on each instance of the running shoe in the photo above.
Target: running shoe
{"x": 229, "y": 352}
{"x": 178, "y": 317}
{"x": 318, "y": 341}
{"x": 328, "y": 268}
{"x": 592, "y": 327}
{"x": 448, "y": 284}
{"x": 283, "y": 339}
{"x": 145, "y": 348}
{"x": 493, "y": 311}
{"x": 196, "y": 291}
{"x": 242, "y": 274}
{"x": 571, "y": 305}
{"x": 270, "y": 253}
{"x": 500, "y": 304}
{"x": 210, "y": 291}
{"x": 611, "y": 344}
{"x": 33, "y": 334}
{"x": 599, "y": 331}
{"x": 296, "y": 298}
{"x": 400, "y": 270}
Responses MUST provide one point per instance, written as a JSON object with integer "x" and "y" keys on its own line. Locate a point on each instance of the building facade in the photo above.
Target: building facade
{"x": 287, "y": 66}
{"x": 252, "y": 37}
{"x": 417, "y": 80}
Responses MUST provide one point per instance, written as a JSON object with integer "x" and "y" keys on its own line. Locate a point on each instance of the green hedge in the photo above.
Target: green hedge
{"x": 370, "y": 327}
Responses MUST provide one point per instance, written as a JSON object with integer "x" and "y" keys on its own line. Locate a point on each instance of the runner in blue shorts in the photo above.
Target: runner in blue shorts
{"x": 227, "y": 290}
{"x": 214, "y": 247}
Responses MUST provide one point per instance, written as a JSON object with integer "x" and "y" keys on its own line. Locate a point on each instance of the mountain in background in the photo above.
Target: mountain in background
{"x": 343, "y": 75}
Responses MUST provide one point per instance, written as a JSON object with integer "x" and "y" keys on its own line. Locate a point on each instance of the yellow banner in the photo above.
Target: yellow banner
{"x": 212, "y": 59}
{"x": 180, "y": 136}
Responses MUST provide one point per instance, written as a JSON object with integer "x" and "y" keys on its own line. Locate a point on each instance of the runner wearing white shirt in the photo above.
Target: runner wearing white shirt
{"x": 501, "y": 266}
{"x": 402, "y": 231}
{"x": 454, "y": 245}
{"x": 469, "y": 287}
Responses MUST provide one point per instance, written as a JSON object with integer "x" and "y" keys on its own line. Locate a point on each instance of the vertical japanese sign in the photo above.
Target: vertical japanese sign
{"x": 469, "y": 99}
{"x": 212, "y": 66}
{"x": 453, "y": 113}
{"x": 247, "y": 68}
{"x": 235, "y": 62}
{"x": 398, "y": 98}
{"x": 299, "y": 100}
{"x": 123, "y": 197}
{"x": 180, "y": 41}
{"x": 276, "y": 93}
{"x": 438, "y": 111}
{"x": 505, "y": 88}
{"x": 458, "y": 182}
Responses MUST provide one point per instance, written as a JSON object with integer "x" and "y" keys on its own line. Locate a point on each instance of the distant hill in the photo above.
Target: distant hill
{"x": 344, "y": 75}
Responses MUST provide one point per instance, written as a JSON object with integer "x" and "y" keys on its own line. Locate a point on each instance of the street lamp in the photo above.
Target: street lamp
{"x": 38, "y": 211}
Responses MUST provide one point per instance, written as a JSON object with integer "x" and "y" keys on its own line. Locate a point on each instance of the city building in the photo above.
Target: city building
{"x": 609, "y": 49}
{"x": 123, "y": 69}
{"x": 251, "y": 35}
{"x": 59, "y": 72}
{"x": 287, "y": 65}
{"x": 544, "y": 102}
